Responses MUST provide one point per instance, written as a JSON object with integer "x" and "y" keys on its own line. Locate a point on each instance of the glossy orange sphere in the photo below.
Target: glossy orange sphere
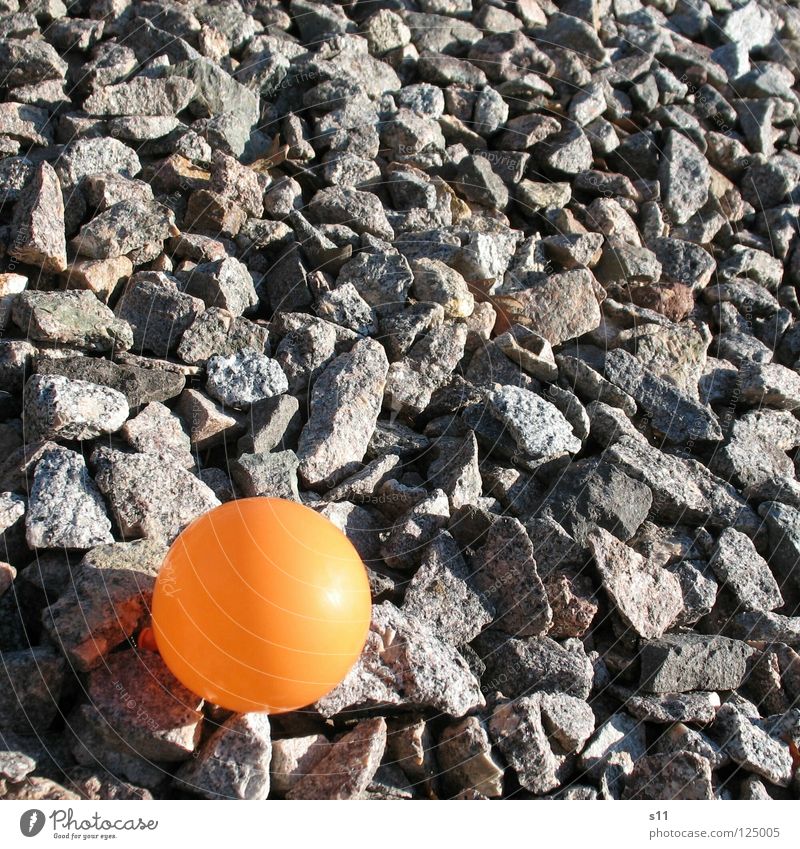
{"x": 262, "y": 604}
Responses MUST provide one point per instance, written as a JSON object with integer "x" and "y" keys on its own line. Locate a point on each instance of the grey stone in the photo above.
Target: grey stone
{"x": 106, "y": 602}
{"x": 414, "y": 530}
{"x": 345, "y": 403}
{"x": 517, "y": 729}
{"x": 32, "y": 682}
{"x": 151, "y": 497}
{"x": 646, "y": 596}
{"x": 75, "y": 319}
{"x": 683, "y": 490}
{"x": 455, "y": 469}
{"x": 141, "y": 96}
{"x": 519, "y": 667}
{"x": 769, "y": 385}
{"x": 139, "y": 385}
{"x": 700, "y": 707}
{"x": 218, "y": 331}
{"x": 741, "y": 569}
{"x": 684, "y": 176}
{"x": 233, "y": 763}
{"x": 124, "y": 228}
{"x": 361, "y": 526}
{"x": 65, "y": 508}
{"x": 157, "y": 430}
{"x": 39, "y": 222}
{"x": 346, "y": 770}
{"x": 293, "y": 758}
{"x": 478, "y": 182}
{"x": 411, "y": 382}
{"x": 404, "y": 663}
{"x": 559, "y": 307}
{"x": 682, "y": 738}
{"x": 436, "y": 282}
{"x": 207, "y": 422}
{"x": 137, "y": 706}
{"x": 620, "y": 733}
{"x": 783, "y": 529}
{"x": 683, "y": 662}
{"x": 244, "y": 377}
{"x": 505, "y": 572}
{"x": 593, "y": 492}
{"x": 539, "y": 430}
{"x": 157, "y": 310}
{"x": 466, "y": 759}
{"x": 674, "y": 414}
{"x": 361, "y": 211}
{"x": 752, "y": 747}
{"x": 382, "y": 280}
{"x": 267, "y": 474}
{"x": 683, "y": 775}
{"x": 566, "y": 153}
{"x": 224, "y": 283}
{"x": 58, "y": 407}
{"x": 273, "y": 422}
{"x": 442, "y": 594}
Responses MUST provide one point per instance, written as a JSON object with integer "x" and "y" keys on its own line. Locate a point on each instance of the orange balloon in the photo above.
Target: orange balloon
{"x": 261, "y": 604}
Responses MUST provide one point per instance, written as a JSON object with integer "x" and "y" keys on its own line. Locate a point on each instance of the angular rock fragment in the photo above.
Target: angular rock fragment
{"x": 561, "y": 307}
{"x": 39, "y": 222}
{"x": 455, "y": 469}
{"x": 684, "y": 176}
{"x": 76, "y": 319}
{"x": 414, "y": 530}
{"x": 217, "y": 331}
{"x": 234, "y": 763}
{"x": 683, "y": 775}
{"x": 139, "y": 385}
{"x": 224, "y": 283}
{"x": 348, "y": 767}
{"x": 141, "y": 96}
{"x": 247, "y": 376}
{"x": 466, "y": 759}
{"x": 519, "y": 733}
{"x": 107, "y": 601}
{"x": 157, "y": 430}
{"x": 157, "y": 310}
{"x": 741, "y": 569}
{"x": 505, "y": 572}
{"x": 678, "y": 417}
{"x": 293, "y": 758}
{"x": 411, "y": 382}
{"x": 137, "y": 707}
{"x": 592, "y": 492}
{"x": 752, "y": 747}
{"x": 31, "y": 683}
{"x": 207, "y": 423}
{"x": 443, "y": 596}
{"x": 271, "y": 474}
{"x": 518, "y": 667}
{"x": 345, "y": 403}
{"x": 151, "y": 497}
{"x": 57, "y": 407}
{"x": 404, "y": 663}
{"x": 65, "y": 507}
{"x": 539, "y": 429}
{"x": 683, "y": 662}
{"x": 646, "y": 596}
{"x": 124, "y": 228}
{"x": 621, "y": 733}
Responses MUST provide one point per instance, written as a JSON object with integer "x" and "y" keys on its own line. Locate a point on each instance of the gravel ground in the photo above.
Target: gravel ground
{"x": 505, "y": 290}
